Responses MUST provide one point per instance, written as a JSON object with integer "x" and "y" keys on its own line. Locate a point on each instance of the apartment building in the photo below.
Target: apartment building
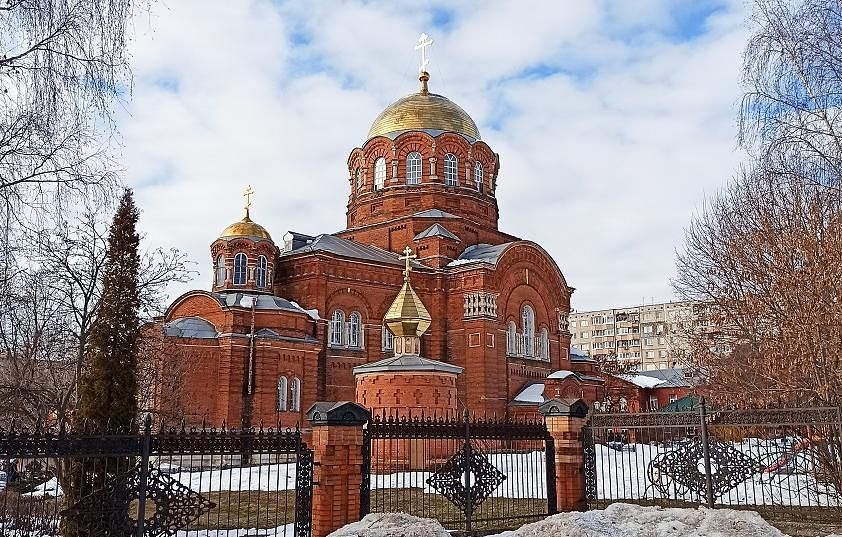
{"x": 650, "y": 335}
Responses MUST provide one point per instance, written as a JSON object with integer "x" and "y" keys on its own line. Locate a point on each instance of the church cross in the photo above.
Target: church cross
{"x": 407, "y": 256}
{"x": 423, "y": 42}
{"x": 248, "y": 193}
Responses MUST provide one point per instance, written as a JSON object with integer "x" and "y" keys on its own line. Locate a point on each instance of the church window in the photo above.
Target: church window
{"x": 478, "y": 175}
{"x": 379, "y": 173}
{"x": 337, "y": 326}
{"x": 240, "y": 264}
{"x": 545, "y": 344}
{"x": 511, "y": 339}
{"x": 528, "y": 327}
{"x": 388, "y": 339}
{"x": 295, "y": 405}
{"x": 450, "y": 167}
{"x": 261, "y": 271}
{"x": 282, "y": 394}
{"x": 355, "y": 330}
{"x": 358, "y": 179}
{"x": 220, "y": 270}
{"x": 413, "y": 168}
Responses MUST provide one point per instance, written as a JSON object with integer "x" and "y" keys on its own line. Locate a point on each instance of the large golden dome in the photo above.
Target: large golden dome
{"x": 424, "y": 111}
{"x": 245, "y": 228}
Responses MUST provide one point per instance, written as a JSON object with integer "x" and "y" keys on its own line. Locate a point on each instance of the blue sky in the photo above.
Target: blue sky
{"x": 613, "y": 119}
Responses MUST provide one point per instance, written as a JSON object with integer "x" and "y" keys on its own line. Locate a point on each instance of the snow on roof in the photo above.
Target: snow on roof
{"x": 643, "y": 381}
{"x": 560, "y": 374}
{"x": 480, "y": 253}
{"x": 534, "y": 393}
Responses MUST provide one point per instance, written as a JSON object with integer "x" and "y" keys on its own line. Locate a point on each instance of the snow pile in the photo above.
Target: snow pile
{"x": 392, "y": 525}
{"x": 625, "y": 520}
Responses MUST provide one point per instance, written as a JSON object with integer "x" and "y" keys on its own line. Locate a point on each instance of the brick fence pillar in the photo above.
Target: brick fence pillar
{"x": 337, "y": 455}
{"x": 565, "y": 420}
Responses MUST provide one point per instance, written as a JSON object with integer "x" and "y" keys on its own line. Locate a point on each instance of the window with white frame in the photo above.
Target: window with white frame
{"x": 478, "y": 175}
{"x": 240, "y": 268}
{"x": 387, "y": 340}
{"x": 545, "y": 344}
{"x": 379, "y": 173}
{"x": 413, "y": 168}
{"x": 673, "y": 398}
{"x": 450, "y": 170}
{"x": 261, "y": 271}
{"x": 295, "y": 403}
{"x": 653, "y": 402}
{"x": 354, "y": 330}
{"x": 337, "y": 328}
{"x": 220, "y": 270}
{"x": 283, "y": 394}
{"x": 511, "y": 338}
{"x": 528, "y": 326}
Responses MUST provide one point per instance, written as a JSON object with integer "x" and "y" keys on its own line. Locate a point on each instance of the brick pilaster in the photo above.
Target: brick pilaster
{"x": 565, "y": 420}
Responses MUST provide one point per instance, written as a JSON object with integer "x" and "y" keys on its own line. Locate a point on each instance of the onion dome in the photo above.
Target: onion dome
{"x": 424, "y": 111}
{"x": 245, "y": 228}
{"x": 407, "y": 317}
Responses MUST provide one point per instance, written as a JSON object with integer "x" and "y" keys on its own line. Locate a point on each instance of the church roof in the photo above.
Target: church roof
{"x": 407, "y": 363}
{"x": 345, "y": 248}
{"x": 434, "y": 213}
{"x": 264, "y": 302}
{"x": 190, "y": 327}
{"x": 245, "y": 228}
{"x": 480, "y": 253}
{"x": 436, "y": 230}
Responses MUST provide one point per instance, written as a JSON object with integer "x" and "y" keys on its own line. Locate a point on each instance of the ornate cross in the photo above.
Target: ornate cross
{"x": 248, "y": 193}
{"x": 407, "y": 256}
{"x": 423, "y": 42}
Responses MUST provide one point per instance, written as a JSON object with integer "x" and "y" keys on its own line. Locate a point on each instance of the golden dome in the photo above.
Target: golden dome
{"x": 245, "y": 228}
{"x": 424, "y": 111}
{"x": 407, "y": 316}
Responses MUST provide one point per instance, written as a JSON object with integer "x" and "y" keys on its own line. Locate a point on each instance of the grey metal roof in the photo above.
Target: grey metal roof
{"x": 434, "y": 213}
{"x": 437, "y": 230}
{"x": 578, "y": 355}
{"x": 190, "y": 327}
{"x": 264, "y": 302}
{"x": 480, "y": 253}
{"x": 673, "y": 377}
{"x": 346, "y": 248}
{"x": 407, "y": 362}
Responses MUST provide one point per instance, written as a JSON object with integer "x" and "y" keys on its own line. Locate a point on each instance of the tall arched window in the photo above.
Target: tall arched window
{"x": 220, "y": 270}
{"x": 296, "y": 394}
{"x": 261, "y": 271}
{"x": 528, "y": 328}
{"x": 379, "y": 173}
{"x": 413, "y": 168}
{"x": 450, "y": 167}
{"x": 283, "y": 394}
{"x": 358, "y": 178}
{"x": 240, "y": 266}
{"x": 337, "y": 326}
{"x": 545, "y": 344}
{"x": 387, "y": 339}
{"x": 478, "y": 175}
{"x": 355, "y": 330}
{"x": 511, "y": 339}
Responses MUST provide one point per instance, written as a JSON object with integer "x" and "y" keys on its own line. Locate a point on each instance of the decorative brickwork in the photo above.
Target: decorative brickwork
{"x": 566, "y": 428}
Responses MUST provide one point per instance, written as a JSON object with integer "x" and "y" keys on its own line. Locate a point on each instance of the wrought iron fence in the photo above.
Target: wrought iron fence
{"x": 784, "y": 463}
{"x": 471, "y": 474}
{"x": 181, "y": 481}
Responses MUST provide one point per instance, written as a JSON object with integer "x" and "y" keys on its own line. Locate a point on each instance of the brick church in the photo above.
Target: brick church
{"x": 290, "y": 318}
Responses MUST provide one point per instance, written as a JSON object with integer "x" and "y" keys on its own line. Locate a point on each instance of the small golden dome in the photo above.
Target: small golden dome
{"x": 407, "y": 316}
{"x": 424, "y": 111}
{"x": 245, "y": 228}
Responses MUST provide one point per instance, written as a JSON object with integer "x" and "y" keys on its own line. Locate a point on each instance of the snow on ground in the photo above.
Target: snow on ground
{"x": 268, "y": 477}
{"x": 392, "y": 525}
{"x": 273, "y": 532}
{"x": 48, "y": 489}
{"x": 625, "y": 520}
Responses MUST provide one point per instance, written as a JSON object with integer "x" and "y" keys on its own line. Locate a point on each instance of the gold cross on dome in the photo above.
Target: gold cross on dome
{"x": 423, "y": 42}
{"x": 248, "y": 193}
{"x": 407, "y": 256}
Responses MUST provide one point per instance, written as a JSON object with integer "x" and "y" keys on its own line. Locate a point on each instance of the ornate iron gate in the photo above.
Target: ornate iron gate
{"x": 471, "y": 474}
{"x": 149, "y": 483}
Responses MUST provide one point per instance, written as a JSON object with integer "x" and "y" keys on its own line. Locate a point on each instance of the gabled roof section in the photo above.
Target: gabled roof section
{"x": 407, "y": 363}
{"x": 480, "y": 253}
{"x": 263, "y": 302}
{"x": 190, "y": 327}
{"x": 437, "y": 230}
{"x": 345, "y": 248}
{"x": 434, "y": 213}
{"x": 675, "y": 377}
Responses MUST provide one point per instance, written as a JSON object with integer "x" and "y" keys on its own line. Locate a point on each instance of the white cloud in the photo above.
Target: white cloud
{"x": 606, "y": 150}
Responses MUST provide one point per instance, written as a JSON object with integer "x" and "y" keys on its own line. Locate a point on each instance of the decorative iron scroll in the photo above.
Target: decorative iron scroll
{"x": 590, "y": 464}
{"x": 303, "y": 491}
{"x": 646, "y": 419}
{"x": 445, "y": 427}
{"x": 780, "y": 416}
{"x": 169, "y": 506}
{"x": 681, "y": 470}
{"x": 449, "y": 480}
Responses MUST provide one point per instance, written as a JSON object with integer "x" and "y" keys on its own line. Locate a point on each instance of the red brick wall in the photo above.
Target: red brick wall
{"x": 408, "y": 394}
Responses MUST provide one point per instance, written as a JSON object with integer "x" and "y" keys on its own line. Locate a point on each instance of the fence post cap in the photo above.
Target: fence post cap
{"x": 574, "y": 408}
{"x": 337, "y": 413}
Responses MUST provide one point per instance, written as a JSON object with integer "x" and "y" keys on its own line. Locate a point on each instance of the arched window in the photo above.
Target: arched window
{"x": 511, "y": 339}
{"x": 528, "y": 328}
{"x": 355, "y": 330}
{"x": 240, "y": 265}
{"x": 220, "y": 270}
{"x": 478, "y": 175}
{"x": 379, "y": 173}
{"x": 261, "y": 271}
{"x": 282, "y": 394}
{"x": 413, "y": 168}
{"x": 387, "y": 339}
{"x": 545, "y": 344}
{"x": 337, "y": 326}
{"x": 450, "y": 167}
{"x": 296, "y": 395}
{"x": 358, "y": 179}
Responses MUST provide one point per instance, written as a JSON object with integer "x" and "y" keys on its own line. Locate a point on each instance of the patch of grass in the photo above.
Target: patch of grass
{"x": 248, "y": 509}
